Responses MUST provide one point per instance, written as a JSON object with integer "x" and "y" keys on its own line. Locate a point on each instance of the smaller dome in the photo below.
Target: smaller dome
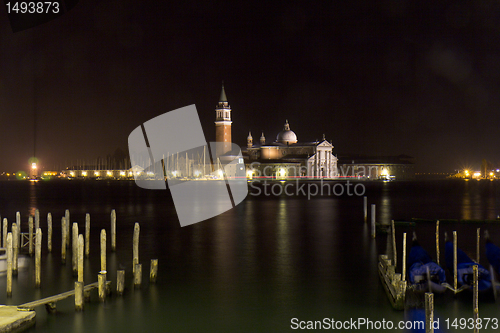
{"x": 286, "y": 136}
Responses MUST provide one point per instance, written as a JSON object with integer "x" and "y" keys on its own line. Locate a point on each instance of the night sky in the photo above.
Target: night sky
{"x": 389, "y": 77}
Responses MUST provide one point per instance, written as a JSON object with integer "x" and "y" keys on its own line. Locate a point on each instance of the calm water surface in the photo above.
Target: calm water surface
{"x": 251, "y": 269}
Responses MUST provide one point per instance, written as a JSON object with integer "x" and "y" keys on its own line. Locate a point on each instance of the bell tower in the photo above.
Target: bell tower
{"x": 223, "y": 122}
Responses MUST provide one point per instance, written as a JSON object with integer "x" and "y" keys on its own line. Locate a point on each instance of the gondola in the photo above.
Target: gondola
{"x": 424, "y": 274}
{"x": 465, "y": 266}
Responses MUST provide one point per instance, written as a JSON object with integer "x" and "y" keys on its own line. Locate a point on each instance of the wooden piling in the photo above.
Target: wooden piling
{"x": 5, "y": 228}
{"x": 394, "y": 253}
{"x": 103, "y": 250}
{"x": 437, "y": 242}
{"x": 365, "y": 208}
{"x": 113, "y": 230}
{"x": 475, "y": 298}
{"x": 403, "y": 264}
{"x": 120, "y": 282}
{"x": 66, "y": 216}
{"x": 18, "y": 223}
{"x": 477, "y": 244}
{"x": 137, "y": 275}
{"x": 153, "y": 272}
{"x": 135, "y": 246}
{"x": 38, "y": 257}
{"x": 80, "y": 258}
{"x": 374, "y": 232}
{"x": 455, "y": 283}
{"x": 30, "y": 235}
{"x": 49, "y": 232}
{"x": 10, "y": 258}
{"x": 87, "y": 235}
{"x": 101, "y": 280}
{"x": 78, "y": 296}
{"x": 15, "y": 247}
{"x": 37, "y": 219}
{"x": 74, "y": 248}
{"x": 429, "y": 312}
{"x": 64, "y": 237}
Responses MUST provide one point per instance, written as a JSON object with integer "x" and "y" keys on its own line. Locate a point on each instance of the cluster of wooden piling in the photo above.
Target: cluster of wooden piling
{"x": 80, "y": 249}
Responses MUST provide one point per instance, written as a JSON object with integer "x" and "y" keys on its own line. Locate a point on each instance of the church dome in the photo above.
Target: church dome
{"x": 286, "y": 136}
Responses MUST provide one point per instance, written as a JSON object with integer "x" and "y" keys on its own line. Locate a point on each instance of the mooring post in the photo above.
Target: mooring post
{"x": 429, "y": 312}
{"x": 137, "y": 275}
{"x": 74, "y": 248}
{"x": 38, "y": 257}
{"x": 135, "y": 246}
{"x": 103, "y": 250}
{"x": 87, "y": 235}
{"x": 365, "y": 208}
{"x": 475, "y": 302}
{"x": 80, "y": 258}
{"x": 403, "y": 264}
{"x": 49, "y": 232}
{"x": 66, "y": 216}
{"x": 455, "y": 284}
{"x": 78, "y": 295}
{"x": 5, "y": 227}
{"x": 64, "y": 237}
{"x": 30, "y": 235}
{"x": 374, "y": 233}
{"x": 437, "y": 242}
{"x": 18, "y": 222}
{"x": 120, "y": 281}
{"x": 10, "y": 255}
{"x": 15, "y": 247}
{"x": 101, "y": 282}
{"x": 477, "y": 244}
{"x": 153, "y": 273}
{"x": 37, "y": 219}
{"x": 395, "y": 254}
{"x": 113, "y": 230}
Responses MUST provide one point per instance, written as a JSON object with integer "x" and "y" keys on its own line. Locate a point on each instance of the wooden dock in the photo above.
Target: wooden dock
{"x": 50, "y": 302}
{"x": 394, "y": 286}
{"x": 13, "y": 320}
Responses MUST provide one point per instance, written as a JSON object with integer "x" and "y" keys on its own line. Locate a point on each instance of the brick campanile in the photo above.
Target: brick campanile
{"x": 223, "y": 122}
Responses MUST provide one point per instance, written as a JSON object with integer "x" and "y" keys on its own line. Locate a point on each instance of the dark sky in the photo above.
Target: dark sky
{"x": 377, "y": 77}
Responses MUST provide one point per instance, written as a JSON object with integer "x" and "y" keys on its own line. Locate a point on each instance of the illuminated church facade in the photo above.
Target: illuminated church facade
{"x": 286, "y": 157}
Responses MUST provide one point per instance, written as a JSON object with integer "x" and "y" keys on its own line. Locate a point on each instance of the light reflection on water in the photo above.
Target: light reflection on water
{"x": 250, "y": 269}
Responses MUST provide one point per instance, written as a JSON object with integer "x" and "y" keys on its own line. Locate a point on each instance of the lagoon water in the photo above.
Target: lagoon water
{"x": 252, "y": 269}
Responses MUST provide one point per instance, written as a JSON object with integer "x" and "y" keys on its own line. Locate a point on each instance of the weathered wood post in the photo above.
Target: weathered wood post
{"x": 101, "y": 283}
{"x": 80, "y": 258}
{"x": 64, "y": 237}
{"x": 153, "y": 272}
{"x": 437, "y": 242}
{"x": 66, "y": 216}
{"x": 477, "y": 244}
{"x": 49, "y": 232}
{"x": 475, "y": 300}
{"x": 113, "y": 230}
{"x": 15, "y": 247}
{"x": 30, "y": 235}
{"x": 374, "y": 232}
{"x": 403, "y": 264}
{"x": 87, "y": 235}
{"x": 135, "y": 246}
{"x": 429, "y": 312}
{"x": 18, "y": 223}
{"x": 103, "y": 251}
{"x": 137, "y": 275}
{"x": 365, "y": 208}
{"x": 394, "y": 252}
{"x": 75, "y": 248}
{"x": 38, "y": 257}
{"x": 37, "y": 219}
{"x": 120, "y": 282}
{"x": 78, "y": 295}
{"x": 10, "y": 258}
{"x": 5, "y": 227}
{"x": 455, "y": 284}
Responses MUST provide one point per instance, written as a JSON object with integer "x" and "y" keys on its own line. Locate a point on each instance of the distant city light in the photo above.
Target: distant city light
{"x": 122, "y": 173}
{"x": 33, "y": 165}
{"x": 84, "y": 173}
{"x": 97, "y": 173}
{"x": 109, "y": 173}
